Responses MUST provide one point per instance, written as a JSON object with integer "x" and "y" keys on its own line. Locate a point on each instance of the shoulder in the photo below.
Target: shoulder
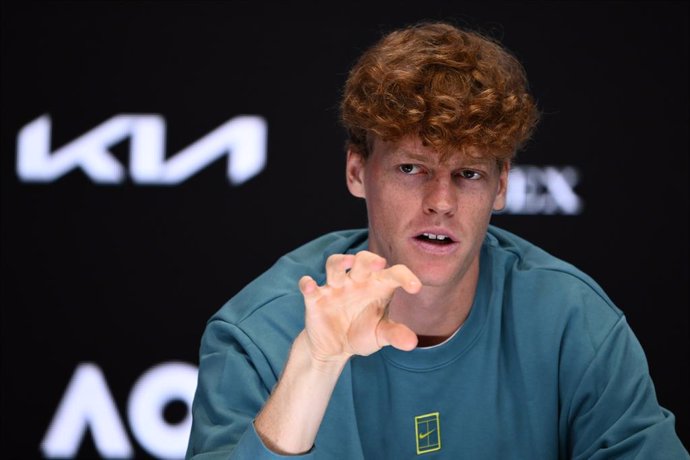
{"x": 549, "y": 290}
{"x": 279, "y": 284}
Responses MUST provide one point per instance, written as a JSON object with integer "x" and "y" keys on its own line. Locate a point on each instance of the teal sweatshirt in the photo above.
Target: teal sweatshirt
{"x": 545, "y": 367}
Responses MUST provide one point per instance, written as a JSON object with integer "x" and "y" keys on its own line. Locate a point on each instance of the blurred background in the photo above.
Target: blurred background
{"x": 157, "y": 156}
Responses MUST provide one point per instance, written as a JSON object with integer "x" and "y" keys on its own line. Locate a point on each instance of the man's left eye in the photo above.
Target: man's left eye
{"x": 409, "y": 169}
{"x": 469, "y": 174}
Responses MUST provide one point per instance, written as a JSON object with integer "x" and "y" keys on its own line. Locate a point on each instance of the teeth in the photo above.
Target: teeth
{"x": 431, "y": 236}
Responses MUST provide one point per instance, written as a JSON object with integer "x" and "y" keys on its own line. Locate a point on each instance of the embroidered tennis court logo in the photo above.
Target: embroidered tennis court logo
{"x": 427, "y": 429}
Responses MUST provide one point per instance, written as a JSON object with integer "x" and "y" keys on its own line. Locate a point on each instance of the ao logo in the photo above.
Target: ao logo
{"x": 242, "y": 139}
{"x": 88, "y": 403}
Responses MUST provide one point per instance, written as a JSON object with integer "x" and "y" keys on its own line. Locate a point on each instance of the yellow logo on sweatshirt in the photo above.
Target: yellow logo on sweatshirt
{"x": 427, "y": 429}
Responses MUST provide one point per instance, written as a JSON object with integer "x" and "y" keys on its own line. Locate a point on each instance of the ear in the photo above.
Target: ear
{"x": 354, "y": 173}
{"x": 500, "y": 200}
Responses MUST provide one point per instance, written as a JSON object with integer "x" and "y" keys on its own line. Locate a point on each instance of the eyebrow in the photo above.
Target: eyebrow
{"x": 400, "y": 154}
{"x": 465, "y": 162}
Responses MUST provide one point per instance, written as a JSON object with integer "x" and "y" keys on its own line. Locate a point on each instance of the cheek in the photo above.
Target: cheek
{"x": 475, "y": 210}
{"x": 388, "y": 207}
{"x": 382, "y": 212}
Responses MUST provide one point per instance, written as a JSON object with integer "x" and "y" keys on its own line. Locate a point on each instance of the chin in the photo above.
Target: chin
{"x": 434, "y": 278}
{"x": 434, "y": 281}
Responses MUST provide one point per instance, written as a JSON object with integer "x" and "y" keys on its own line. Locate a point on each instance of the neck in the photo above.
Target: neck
{"x": 430, "y": 340}
{"x": 435, "y": 313}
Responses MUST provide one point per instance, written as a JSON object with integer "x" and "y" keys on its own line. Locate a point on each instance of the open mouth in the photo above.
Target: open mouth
{"x": 432, "y": 238}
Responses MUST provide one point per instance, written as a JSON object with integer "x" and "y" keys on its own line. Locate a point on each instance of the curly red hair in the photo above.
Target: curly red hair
{"x": 453, "y": 88}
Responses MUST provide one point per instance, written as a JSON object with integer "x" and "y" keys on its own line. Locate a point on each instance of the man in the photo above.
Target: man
{"x": 431, "y": 332}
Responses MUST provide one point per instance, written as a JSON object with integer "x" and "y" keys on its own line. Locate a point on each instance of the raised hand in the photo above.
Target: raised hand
{"x": 348, "y": 314}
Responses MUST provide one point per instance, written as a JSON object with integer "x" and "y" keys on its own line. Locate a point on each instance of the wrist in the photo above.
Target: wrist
{"x": 310, "y": 361}
{"x": 290, "y": 419}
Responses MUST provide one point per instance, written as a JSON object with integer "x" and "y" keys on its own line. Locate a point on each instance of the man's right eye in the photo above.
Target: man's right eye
{"x": 409, "y": 169}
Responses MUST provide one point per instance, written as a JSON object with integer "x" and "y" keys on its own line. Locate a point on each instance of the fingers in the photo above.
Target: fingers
{"x": 395, "y": 334}
{"x": 400, "y": 275}
{"x": 348, "y": 314}
{"x": 337, "y": 266}
{"x": 308, "y": 287}
{"x": 361, "y": 266}
{"x": 364, "y": 264}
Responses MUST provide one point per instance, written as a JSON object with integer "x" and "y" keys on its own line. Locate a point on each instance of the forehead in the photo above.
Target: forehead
{"x": 411, "y": 148}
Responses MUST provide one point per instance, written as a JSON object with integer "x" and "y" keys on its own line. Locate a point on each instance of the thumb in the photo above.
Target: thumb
{"x": 395, "y": 334}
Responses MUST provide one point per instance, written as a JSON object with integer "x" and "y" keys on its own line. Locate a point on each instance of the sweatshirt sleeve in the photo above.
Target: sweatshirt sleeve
{"x": 613, "y": 411}
{"x": 235, "y": 380}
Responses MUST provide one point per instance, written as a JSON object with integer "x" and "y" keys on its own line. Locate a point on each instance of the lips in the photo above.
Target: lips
{"x": 435, "y": 241}
{"x": 436, "y": 235}
{"x": 437, "y": 238}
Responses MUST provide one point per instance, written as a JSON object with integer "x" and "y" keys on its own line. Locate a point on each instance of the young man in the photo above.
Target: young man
{"x": 430, "y": 332}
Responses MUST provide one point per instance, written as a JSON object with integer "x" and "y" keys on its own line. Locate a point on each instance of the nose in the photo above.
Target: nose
{"x": 439, "y": 197}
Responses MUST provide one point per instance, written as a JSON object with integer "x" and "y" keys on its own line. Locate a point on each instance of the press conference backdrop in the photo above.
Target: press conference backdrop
{"x": 156, "y": 156}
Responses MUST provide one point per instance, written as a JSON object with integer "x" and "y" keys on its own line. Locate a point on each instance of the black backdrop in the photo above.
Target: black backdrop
{"x": 124, "y": 275}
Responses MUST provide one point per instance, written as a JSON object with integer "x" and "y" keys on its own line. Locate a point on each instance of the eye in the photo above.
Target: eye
{"x": 410, "y": 169}
{"x": 470, "y": 174}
